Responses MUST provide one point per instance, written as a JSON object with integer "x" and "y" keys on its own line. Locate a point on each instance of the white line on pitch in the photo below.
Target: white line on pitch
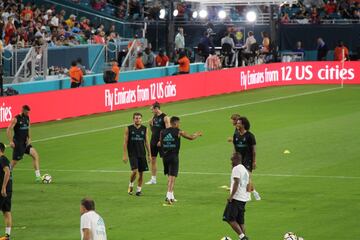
{"x": 194, "y": 113}
{"x": 195, "y": 173}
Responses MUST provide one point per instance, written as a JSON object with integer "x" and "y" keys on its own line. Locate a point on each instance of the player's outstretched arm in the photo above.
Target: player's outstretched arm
{"x": 192, "y": 136}
{"x": 9, "y": 132}
{"x": 126, "y": 139}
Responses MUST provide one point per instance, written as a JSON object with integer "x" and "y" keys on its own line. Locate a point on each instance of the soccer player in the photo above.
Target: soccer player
{"x": 234, "y": 213}
{"x": 20, "y": 141}
{"x": 170, "y": 143}
{"x": 158, "y": 122}
{"x": 135, "y": 142}
{"x": 245, "y": 144}
{"x": 6, "y": 191}
{"x": 92, "y": 225}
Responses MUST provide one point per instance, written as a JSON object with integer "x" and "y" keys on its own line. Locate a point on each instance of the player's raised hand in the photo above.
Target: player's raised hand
{"x": 125, "y": 159}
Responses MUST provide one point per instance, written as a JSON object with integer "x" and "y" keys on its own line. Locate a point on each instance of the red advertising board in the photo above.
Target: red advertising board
{"x": 54, "y": 105}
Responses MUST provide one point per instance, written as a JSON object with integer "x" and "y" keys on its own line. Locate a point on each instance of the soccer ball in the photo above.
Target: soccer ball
{"x": 290, "y": 236}
{"x": 46, "y": 179}
{"x": 226, "y": 238}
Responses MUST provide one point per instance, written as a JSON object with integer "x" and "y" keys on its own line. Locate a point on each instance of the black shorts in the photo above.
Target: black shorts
{"x": 171, "y": 165}
{"x": 155, "y": 150}
{"x": 235, "y": 211}
{"x": 5, "y": 202}
{"x": 20, "y": 149}
{"x": 75, "y": 85}
{"x": 139, "y": 163}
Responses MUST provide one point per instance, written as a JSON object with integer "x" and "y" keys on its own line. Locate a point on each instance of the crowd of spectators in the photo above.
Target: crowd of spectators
{"x": 314, "y": 11}
{"x": 29, "y": 25}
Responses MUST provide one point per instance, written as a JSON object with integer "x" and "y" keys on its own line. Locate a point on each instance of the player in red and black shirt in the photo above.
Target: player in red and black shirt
{"x": 158, "y": 123}
{"x": 6, "y": 191}
{"x": 135, "y": 142}
{"x": 245, "y": 144}
{"x": 19, "y": 136}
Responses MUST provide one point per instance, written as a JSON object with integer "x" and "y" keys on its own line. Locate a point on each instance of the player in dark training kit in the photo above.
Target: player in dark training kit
{"x": 245, "y": 144}
{"x": 158, "y": 122}
{"x": 6, "y": 191}
{"x": 21, "y": 141}
{"x": 135, "y": 142}
{"x": 170, "y": 143}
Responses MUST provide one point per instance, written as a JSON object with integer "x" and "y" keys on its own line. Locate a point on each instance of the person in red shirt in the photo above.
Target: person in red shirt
{"x": 9, "y": 30}
{"x": 330, "y": 7}
{"x": 161, "y": 59}
{"x": 341, "y": 53}
{"x": 139, "y": 63}
{"x": 27, "y": 14}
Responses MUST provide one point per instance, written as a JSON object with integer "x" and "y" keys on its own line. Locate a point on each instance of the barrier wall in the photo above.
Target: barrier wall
{"x": 97, "y": 79}
{"x": 61, "y": 104}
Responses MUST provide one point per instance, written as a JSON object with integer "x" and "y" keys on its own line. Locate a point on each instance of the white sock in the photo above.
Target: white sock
{"x": 172, "y": 197}
{"x": 138, "y": 189}
{"x": 131, "y": 184}
{"x": 8, "y": 230}
{"x": 37, "y": 173}
{"x": 153, "y": 178}
{"x": 168, "y": 195}
{"x": 241, "y": 236}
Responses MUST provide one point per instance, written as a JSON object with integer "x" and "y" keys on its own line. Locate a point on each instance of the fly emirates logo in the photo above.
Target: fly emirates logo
{"x": 5, "y": 113}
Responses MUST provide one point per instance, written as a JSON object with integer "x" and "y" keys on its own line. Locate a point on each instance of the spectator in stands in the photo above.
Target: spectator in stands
{"x": 70, "y": 22}
{"x": 330, "y": 7}
{"x": 54, "y": 22}
{"x": 299, "y": 48}
{"x": 134, "y": 9}
{"x": 148, "y": 58}
{"x": 285, "y": 18}
{"x": 27, "y": 14}
{"x": 341, "y": 52}
{"x": 9, "y": 30}
{"x": 213, "y": 61}
{"x": 139, "y": 63}
{"x": 161, "y": 59}
{"x": 99, "y": 38}
{"x": 48, "y": 15}
{"x": 314, "y": 16}
{"x": 204, "y": 45}
{"x": 228, "y": 40}
{"x": 180, "y": 40}
{"x": 98, "y": 4}
{"x": 184, "y": 63}
{"x": 250, "y": 40}
{"x": 76, "y": 75}
{"x": 322, "y": 50}
{"x": 265, "y": 42}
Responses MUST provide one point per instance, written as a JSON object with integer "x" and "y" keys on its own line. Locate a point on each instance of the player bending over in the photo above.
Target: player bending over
{"x": 234, "y": 213}
{"x": 135, "y": 142}
{"x": 19, "y": 137}
{"x": 158, "y": 122}
{"x": 170, "y": 143}
{"x": 245, "y": 144}
{"x": 6, "y": 191}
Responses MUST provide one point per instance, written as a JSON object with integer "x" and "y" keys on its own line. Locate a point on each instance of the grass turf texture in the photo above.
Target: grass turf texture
{"x": 321, "y": 131}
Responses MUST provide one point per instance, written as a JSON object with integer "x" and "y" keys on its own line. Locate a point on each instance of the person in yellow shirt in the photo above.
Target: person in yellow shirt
{"x": 71, "y": 21}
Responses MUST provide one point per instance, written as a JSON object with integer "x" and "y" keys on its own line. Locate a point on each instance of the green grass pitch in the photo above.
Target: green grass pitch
{"x": 313, "y": 191}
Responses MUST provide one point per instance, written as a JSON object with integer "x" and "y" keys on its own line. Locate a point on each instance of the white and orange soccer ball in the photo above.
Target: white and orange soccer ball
{"x": 46, "y": 178}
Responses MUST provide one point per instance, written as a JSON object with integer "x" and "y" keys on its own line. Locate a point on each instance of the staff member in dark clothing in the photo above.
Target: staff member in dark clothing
{"x": 322, "y": 50}
{"x": 135, "y": 142}
{"x": 158, "y": 123}
{"x": 170, "y": 144}
{"x": 20, "y": 141}
{"x": 6, "y": 191}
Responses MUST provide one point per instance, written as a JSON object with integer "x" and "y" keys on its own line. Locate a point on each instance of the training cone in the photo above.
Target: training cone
{"x": 286, "y": 152}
